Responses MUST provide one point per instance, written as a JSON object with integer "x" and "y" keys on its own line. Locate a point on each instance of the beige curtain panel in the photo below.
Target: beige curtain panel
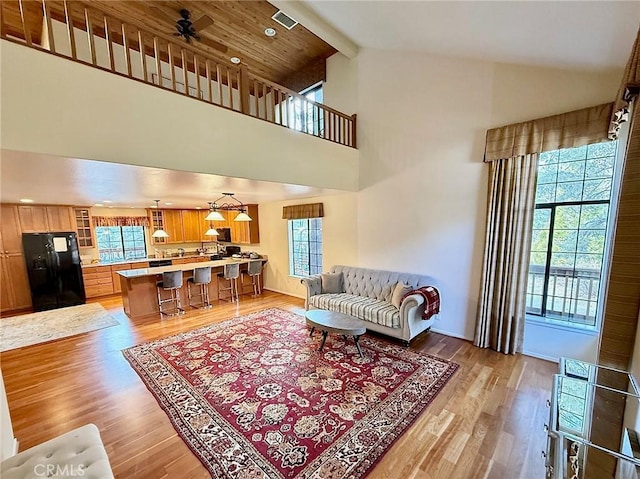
{"x": 297, "y": 212}
{"x": 568, "y": 130}
{"x": 501, "y": 309}
{"x": 120, "y": 221}
{"x": 628, "y": 89}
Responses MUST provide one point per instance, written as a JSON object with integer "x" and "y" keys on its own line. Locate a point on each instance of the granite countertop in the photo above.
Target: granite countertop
{"x": 132, "y": 261}
{"x": 141, "y": 272}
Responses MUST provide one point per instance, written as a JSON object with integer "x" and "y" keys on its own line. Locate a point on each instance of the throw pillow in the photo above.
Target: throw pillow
{"x": 332, "y": 283}
{"x": 398, "y": 293}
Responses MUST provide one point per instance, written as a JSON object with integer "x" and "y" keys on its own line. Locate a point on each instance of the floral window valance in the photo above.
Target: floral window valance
{"x": 120, "y": 221}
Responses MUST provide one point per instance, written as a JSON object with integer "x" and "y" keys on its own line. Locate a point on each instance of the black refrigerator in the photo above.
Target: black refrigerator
{"x": 53, "y": 265}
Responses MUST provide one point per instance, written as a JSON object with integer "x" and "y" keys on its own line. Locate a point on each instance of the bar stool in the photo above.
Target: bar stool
{"x": 172, "y": 282}
{"x": 254, "y": 270}
{"x": 201, "y": 278}
{"x": 231, "y": 273}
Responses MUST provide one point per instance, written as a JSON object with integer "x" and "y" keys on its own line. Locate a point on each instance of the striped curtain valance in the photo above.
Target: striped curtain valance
{"x": 629, "y": 88}
{"x": 296, "y": 212}
{"x": 567, "y": 130}
{"x": 120, "y": 221}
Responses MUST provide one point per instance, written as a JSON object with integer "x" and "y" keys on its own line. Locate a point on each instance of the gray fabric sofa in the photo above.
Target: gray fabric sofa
{"x": 367, "y": 295}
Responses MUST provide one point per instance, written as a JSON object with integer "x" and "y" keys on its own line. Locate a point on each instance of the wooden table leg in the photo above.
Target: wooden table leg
{"x": 355, "y": 340}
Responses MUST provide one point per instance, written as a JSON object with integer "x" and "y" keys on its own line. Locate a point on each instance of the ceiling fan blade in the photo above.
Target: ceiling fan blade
{"x": 213, "y": 44}
{"x": 203, "y": 22}
{"x": 162, "y": 14}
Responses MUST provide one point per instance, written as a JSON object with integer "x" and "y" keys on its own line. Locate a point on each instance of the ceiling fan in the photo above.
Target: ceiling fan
{"x": 189, "y": 30}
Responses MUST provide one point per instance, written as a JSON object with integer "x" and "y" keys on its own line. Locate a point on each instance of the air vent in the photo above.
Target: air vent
{"x": 285, "y": 20}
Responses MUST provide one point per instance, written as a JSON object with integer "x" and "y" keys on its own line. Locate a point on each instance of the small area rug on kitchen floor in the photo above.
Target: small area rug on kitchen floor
{"x": 35, "y": 328}
{"x": 253, "y": 398}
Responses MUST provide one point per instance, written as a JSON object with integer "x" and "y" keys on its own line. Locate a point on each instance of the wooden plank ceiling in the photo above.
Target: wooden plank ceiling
{"x": 293, "y": 58}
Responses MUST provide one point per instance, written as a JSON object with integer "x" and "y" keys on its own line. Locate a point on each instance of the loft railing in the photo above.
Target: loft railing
{"x": 571, "y": 295}
{"x": 85, "y": 34}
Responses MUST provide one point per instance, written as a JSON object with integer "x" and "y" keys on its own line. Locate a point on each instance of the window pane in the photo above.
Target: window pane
{"x": 573, "y": 171}
{"x": 305, "y": 246}
{"x": 570, "y": 191}
{"x": 569, "y": 290}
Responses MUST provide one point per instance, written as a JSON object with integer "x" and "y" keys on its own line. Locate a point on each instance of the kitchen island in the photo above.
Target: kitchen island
{"x": 138, "y": 286}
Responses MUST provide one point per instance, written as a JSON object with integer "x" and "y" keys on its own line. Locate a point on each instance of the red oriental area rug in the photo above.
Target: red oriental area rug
{"x": 253, "y": 398}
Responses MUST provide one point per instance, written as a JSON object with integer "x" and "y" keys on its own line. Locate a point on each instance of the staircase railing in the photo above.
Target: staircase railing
{"x": 83, "y": 33}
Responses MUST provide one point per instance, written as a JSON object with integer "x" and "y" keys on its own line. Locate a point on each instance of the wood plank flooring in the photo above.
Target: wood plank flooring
{"x": 486, "y": 423}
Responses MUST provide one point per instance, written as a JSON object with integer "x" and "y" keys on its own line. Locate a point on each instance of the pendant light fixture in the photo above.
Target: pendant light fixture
{"x": 159, "y": 233}
{"x": 232, "y": 205}
{"x": 213, "y": 215}
{"x": 211, "y": 231}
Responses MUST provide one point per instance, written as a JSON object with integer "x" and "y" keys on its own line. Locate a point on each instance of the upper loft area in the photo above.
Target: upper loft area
{"x": 77, "y": 93}
{"x": 151, "y": 43}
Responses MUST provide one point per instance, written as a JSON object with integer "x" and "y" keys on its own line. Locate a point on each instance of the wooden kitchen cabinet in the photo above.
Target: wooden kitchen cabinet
{"x": 60, "y": 218}
{"x": 173, "y": 225}
{"x": 192, "y": 227}
{"x": 84, "y": 227}
{"x": 115, "y": 277}
{"x": 15, "y": 292}
{"x": 97, "y": 281}
{"x": 33, "y": 219}
{"x": 10, "y": 233}
{"x": 157, "y": 223}
{"x": 41, "y": 219}
{"x": 245, "y": 232}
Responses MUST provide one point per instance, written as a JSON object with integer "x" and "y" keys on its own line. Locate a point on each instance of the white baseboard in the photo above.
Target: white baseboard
{"x": 449, "y": 333}
{"x": 541, "y": 356}
{"x": 16, "y": 443}
{"x": 285, "y": 293}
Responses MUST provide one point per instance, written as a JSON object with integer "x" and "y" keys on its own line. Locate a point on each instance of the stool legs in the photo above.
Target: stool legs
{"x": 173, "y": 298}
{"x": 204, "y": 295}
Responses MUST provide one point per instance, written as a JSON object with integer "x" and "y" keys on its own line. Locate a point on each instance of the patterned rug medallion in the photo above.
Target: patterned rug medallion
{"x": 253, "y": 398}
{"x": 36, "y": 328}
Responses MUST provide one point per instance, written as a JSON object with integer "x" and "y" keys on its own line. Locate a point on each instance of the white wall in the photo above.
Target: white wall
{"x": 421, "y": 134}
{"x": 80, "y": 112}
{"x": 8, "y": 444}
{"x": 339, "y": 239}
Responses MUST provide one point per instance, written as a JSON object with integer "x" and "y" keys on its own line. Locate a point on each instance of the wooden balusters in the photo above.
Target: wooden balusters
{"x": 92, "y": 43}
{"x": 47, "y": 19}
{"x": 156, "y": 52}
{"x": 185, "y": 71}
{"x": 143, "y": 57}
{"x": 25, "y": 25}
{"x": 125, "y": 44}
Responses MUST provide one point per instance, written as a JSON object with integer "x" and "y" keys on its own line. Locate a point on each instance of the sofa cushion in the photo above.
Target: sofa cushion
{"x": 377, "y": 284}
{"x": 398, "y": 293}
{"x": 368, "y": 309}
{"x": 332, "y": 283}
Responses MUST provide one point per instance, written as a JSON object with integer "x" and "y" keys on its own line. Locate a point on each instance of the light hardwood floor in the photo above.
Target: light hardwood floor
{"x": 486, "y": 423}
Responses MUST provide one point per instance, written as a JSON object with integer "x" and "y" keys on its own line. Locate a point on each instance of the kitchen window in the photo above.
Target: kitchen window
{"x": 120, "y": 243}
{"x": 570, "y": 234}
{"x": 305, "y": 246}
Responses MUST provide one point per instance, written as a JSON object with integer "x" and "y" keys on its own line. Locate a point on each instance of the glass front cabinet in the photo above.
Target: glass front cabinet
{"x": 586, "y": 437}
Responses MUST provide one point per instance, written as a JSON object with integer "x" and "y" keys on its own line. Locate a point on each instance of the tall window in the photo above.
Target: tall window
{"x": 305, "y": 246}
{"x": 120, "y": 243}
{"x": 302, "y": 116}
{"x": 569, "y": 232}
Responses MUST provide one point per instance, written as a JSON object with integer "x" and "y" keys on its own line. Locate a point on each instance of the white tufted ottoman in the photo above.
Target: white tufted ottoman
{"x": 77, "y": 453}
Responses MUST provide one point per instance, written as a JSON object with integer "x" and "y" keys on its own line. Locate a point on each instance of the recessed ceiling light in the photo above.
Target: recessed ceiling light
{"x": 98, "y": 204}
{"x": 110, "y": 206}
{"x": 153, "y": 206}
{"x": 198, "y": 207}
{"x": 168, "y": 204}
{"x": 107, "y": 201}
{"x": 26, "y": 200}
{"x": 235, "y": 60}
{"x": 270, "y": 32}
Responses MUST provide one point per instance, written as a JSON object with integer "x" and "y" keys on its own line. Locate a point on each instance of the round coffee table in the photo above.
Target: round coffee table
{"x": 334, "y": 322}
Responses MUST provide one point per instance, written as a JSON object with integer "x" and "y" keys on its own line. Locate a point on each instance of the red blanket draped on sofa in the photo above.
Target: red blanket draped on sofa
{"x": 431, "y": 300}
